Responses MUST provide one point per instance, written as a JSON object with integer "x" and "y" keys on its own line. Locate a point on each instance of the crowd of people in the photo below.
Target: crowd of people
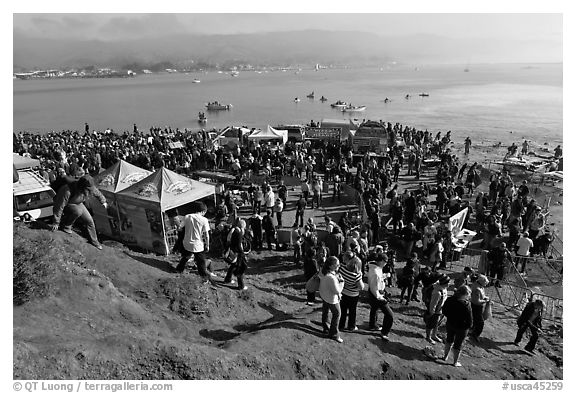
{"x": 358, "y": 251}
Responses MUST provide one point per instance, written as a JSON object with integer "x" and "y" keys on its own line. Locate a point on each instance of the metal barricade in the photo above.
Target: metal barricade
{"x": 512, "y": 292}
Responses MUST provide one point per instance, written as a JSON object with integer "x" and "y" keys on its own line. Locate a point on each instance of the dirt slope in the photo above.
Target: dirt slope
{"x": 117, "y": 314}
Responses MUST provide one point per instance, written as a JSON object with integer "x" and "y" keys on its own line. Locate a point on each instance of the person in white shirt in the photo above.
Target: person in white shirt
{"x": 269, "y": 198}
{"x": 523, "y": 252}
{"x": 376, "y": 298}
{"x": 196, "y": 240}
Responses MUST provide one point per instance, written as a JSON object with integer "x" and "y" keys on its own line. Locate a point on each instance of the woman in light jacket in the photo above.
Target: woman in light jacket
{"x": 331, "y": 285}
{"x": 351, "y": 272}
{"x": 478, "y": 300}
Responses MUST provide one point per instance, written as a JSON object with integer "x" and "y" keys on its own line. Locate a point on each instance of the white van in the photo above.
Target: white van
{"x": 32, "y": 195}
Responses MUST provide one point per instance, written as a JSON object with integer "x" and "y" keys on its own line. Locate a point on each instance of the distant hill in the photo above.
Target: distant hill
{"x": 280, "y": 48}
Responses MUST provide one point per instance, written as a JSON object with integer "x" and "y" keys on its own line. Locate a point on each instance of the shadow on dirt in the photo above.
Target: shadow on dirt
{"x": 153, "y": 262}
{"x": 218, "y": 334}
{"x": 279, "y": 319}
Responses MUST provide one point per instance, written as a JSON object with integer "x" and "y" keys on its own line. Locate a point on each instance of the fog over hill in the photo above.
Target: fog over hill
{"x": 280, "y": 48}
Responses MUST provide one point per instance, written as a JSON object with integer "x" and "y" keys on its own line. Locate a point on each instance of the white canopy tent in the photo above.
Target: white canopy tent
{"x": 269, "y": 134}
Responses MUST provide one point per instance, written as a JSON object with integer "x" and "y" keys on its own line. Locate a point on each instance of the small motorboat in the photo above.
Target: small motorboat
{"x": 352, "y": 108}
{"x": 323, "y": 99}
{"x": 216, "y": 106}
{"x": 424, "y": 95}
{"x": 311, "y": 95}
{"x": 202, "y": 117}
{"x": 296, "y": 99}
{"x": 195, "y": 80}
{"x": 339, "y": 104}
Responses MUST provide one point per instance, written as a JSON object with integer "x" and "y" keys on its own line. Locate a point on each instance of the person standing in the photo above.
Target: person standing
{"x": 269, "y": 198}
{"x": 305, "y": 188}
{"x": 238, "y": 267}
{"x": 467, "y": 144}
{"x": 196, "y": 240}
{"x": 337, "y": 191}
{"x": 269, "y": 230}
{"x": 376, "y": 298}
{"x": 434, "y": 311}
{"x": 524, "y": 245}
{"x": 256, "y": 226}
{"x": 406, "y": 281}
{"x": 331, "y": 286}
{"x": 536, "y": 223}
{"x": 458, "y": 314}
{"x": 352, "y": 274}
{"x": 282, "y": 191}
{"x": 531, "y": 318}
{"x": 478, "y": 300}
{"x": 278, "y": 209}
{"x": 69, "y": 207}
{"x": 300, "y": 208}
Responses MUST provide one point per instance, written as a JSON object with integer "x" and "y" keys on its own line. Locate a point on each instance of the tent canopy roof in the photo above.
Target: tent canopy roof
{"x": 24, "y": 162}
{"x": 168, "y": 189}
{"x": 268, "y": 133}
{"x": 119, "y": 176}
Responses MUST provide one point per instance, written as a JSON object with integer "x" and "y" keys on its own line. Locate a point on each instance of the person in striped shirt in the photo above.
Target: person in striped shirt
{"x": 351, "y": 272}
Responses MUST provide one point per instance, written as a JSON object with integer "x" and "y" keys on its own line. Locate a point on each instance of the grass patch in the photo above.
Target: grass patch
{"x": 33, "y": 268}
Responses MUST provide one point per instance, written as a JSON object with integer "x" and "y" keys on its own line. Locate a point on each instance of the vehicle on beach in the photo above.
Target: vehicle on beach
{"x": 339, "y": 104}
{"x": 353, "y": 108}
{"x": 216, "y": 106}
{"x": 33, "y": 196}
{"x": 195, "y": 80}
{"x": 234, "y": 73}
{"x": 202, "y": 117}
{"x": 311, "y": 95}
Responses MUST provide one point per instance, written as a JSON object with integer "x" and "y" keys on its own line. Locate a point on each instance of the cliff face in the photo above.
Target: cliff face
{"x": 118, "y": 314}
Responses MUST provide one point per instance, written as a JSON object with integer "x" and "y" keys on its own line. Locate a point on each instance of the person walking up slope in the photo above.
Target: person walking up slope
{"x": 458, "y": 314}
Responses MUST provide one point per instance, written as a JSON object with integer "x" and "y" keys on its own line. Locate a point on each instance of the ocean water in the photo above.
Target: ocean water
{"x": 490, "y": 103}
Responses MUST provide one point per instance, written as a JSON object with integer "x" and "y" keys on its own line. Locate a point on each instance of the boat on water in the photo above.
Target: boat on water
{"x": 339, "y": 104}
{"x": 424, "y": 95}
{"x": 353, "y": 108}
{"x": 195, "y": 80}
{"x": 202, "y": 117}
{"x": 323, "y": 99}
{"x": 296, "y": 99}
{"x": 311, "y": 95}
{"x": 216, "y": 106}
{"x": 407, "y": 96}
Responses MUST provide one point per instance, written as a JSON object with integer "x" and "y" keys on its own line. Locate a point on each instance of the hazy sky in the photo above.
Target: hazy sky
{"x": 126, "y": 26}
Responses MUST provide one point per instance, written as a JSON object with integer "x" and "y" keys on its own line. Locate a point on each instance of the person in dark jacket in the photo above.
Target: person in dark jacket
{"x": 239, "y": 266}
{"x": 458, "y": 314}
{"x": 69, "y": 207}
{"x": 269, "y": 230}
{"x": 531, "y": 318}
